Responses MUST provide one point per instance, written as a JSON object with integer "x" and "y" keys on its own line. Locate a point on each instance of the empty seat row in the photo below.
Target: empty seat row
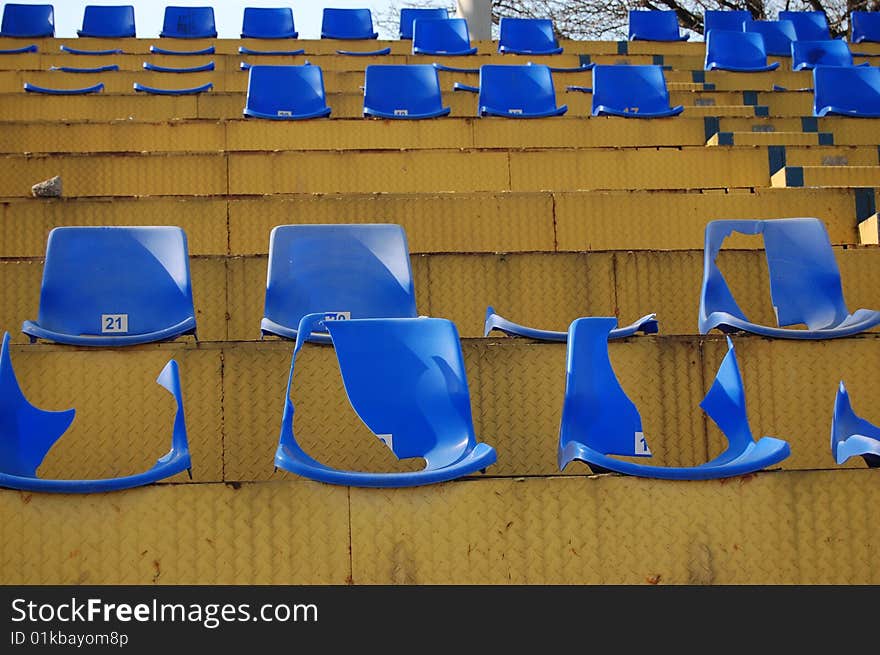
{"x": 746, "y": 52}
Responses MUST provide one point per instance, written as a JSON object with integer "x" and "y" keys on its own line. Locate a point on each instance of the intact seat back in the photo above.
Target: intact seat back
{"x": 189, "y": 23}
{"x": 103, "y": 22}
{"x": 286, "y": 92}
{"x": 342, "y": 271}
{"x": 28, "y": 21}
{"x": 631, "y": 91}
{"x": 403, "y": 91}
{"x": 736, "y": 51}
{"x": 846, "y": 91}
{"x": 512, "y": 91}
{"x": 724, "y": 20}
{"x": 268, "y": 23}
{"x": 778, "y": 35}
{"x": 110, "y": 286}
{"x": 408, "y": 15}
{"x": 808, "y": 25}
{"x": 351, "y": 24}
{"x": 527, "y": 36}
{"x": 447, "y": 36}
{"x": 806, "y": 55}
{"x": 865, "y": 26}
{"x": 654, "y": 26}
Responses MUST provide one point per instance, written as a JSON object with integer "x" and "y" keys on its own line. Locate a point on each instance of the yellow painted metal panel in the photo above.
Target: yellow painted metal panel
{"x": 764, "y": 124}
{"x": 31, "y": 107}
{"x": 733, "y": 81}
{"x": 836, "y": 176}
{"x": 680, "y": 48}
{"x": 832, "y": 156}
{"x": 718, "y": 110}
{"x": 770, "y": 139}
{"x": 19, "y": 294}
{"x": 246, "y": 291}
{"x": 869, "y": 230}
{"x": 790, "y": 103}
{"x": 120, "y": 81}
{"x": 209, "y": 297}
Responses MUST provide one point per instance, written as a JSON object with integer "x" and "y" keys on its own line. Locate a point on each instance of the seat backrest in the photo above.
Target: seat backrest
{"x": 268, "y": 23}
{"x": 653, "y": 25}
{"x": 189, "y": 23}
{"x": 349, "y": 271}
{"x": 828, "y": 52}
{"x": 865, "y": 26}
{"x": 285, "y": 91}
{"x": 113, "y": 22}
{"x": 115, "y": 281}
{"x": 517, "y": 89}
{"x": 631, "y": 89}
{"x": 31, "y": 21}
{"x": 778, "y": 35}
{"x": 441, "y": 35}
{"x": 526, "y": 35}
{"x": 402, "y": 90}
{"x": 808, "y": 25}
{"x": 852, "y": 90}
{"x": 409, "y": 14}
{"x": 347, "y": 24}
{"x": 724, "y": 20}
{"x": 728, "y": 48}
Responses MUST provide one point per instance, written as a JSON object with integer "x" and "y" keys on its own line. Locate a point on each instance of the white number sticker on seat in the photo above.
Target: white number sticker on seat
{"x": 337, "y": 316}
{"x": 284, "y": 112}
{"x": 641, "y": 445}
{"x": 514, "y": 111}
{"x": 401, "y": 112}
{"x": 114, "y": 323}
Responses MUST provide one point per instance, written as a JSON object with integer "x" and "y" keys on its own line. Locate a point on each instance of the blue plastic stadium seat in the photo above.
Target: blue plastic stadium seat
{"x": 806, "y": 55}
{"x": 286, "y": 93}
{"x": 187, "y": 91}
{"x": 405, "y": 379}
{"x": 33, "y": 88}
{"x": 805, "y": 283}
{"x": 865, "y": 26}
{"x": 632, "y": 92}
{"x": 268, "y": 23}
{"x": 446, "y": 36}
{"x": 350, "y": 24}
{"x": 527, "y": 36}
{"x": 724, "y": 20}
{"x": 646, "y": 324}
{"x": 344, "y": 271}
{"x": 189, "y": 23}
{"x": 517, "y": 92}
{"x": 808, "y": 25}
{"x": 407, "y": 92}
{"x": 27, "y": 433}
{"x": 114, "y": 22}
{"x": 778, "y": 35}
{"x": 736, "y": 51}
{"x": 408, "y": 15}
{"x": 600, "y": 422}
{"x": 201, "y": 68}
{"x": 846, "y": 91}
{"x": 114, "y": 286}
{"x": 654, "y": 26}
{"x": 28, "y": 21}
{"x": 851, "y": 435}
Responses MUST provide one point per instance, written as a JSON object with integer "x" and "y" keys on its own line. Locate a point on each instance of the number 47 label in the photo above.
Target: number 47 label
{"x": 114, "y": 323}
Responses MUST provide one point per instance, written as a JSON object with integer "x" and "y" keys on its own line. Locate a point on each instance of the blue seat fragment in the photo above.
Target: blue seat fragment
{"x": 365, "y": 53}
{"x": 19, "y": 51}
{"x": 600, "y": 422}
{"x": 646, "y": 324}
{"x": 846, "y": 91}
{"x": 408, "y": 15}
{"x": 654, "y": 26}
{"x": 27, "y": 433}
{"x": 187, "y": 91}
{"x": 113, "y": 22}
{"x": 736, "y": 51}
{"x": 242, "y": 50}
{"x": 89, "y": 53}
{"x": 806, "y": 55}
{"x": 631, "y": 92}
{"x": 724, "y": 20}
{"x": 446, "y": 36}
{"x": 188, "y": 23}
{"x": 805, "y": 283}
{"x": 345, "y": 271}
{"x": 350, "y": 24}
{"x": 286, "y": 92}
{"x": 150, "y": 66}
{"x": 865, "y": 26}
{"x": 517, "y": 91}
{"x": 268, "y": 23}
{"x": 114, "y": 286}
{"x": 405, "y": 379}
{"x": 778, "y": 35}
{"x": 33, "y": 88}
{"x": 527, "y": 36}
{"x": 851, "y": 435}
{"x": 404, "y": 92}
{"x": 96, "y": 69}
{"x": 156, "y": 50}
{"x": 28, "y": 21}
{"x": 808, "y": 25}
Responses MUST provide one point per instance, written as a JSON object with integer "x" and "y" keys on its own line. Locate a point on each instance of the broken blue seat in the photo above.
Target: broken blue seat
{"x": 654, "y": 26}
{"x": 268, "y": 23}
{"x": 28, "y": 21}
{"x": 646, "y": 324}
{"x": 19, "y": 51}
{"x": 114, "y": 22}
{"x": 27, "y": 433}
{"x": 527, "y": 36}
{"x": 778, "y": 35}
{"x": 162, "y": 91}
{"x": 344, "y": 271}
{"x": 724, "y": 20}
{"x": 33, "y": 88}
{"x": 806, "y": 55}
{"x": 409, "y": 15}
{"x": 514, "y": 91}
{"x": 286, "y": 93}
{"x": 805, "y": 283}
{"x": 446, "y": 36}
{"x": 631, "y": 92}
{"x": 114, "y": 286}
{"x": 808, "y": 25}
{"x": 189, "y": 23}
{"x": 200, "y": 68}
{"x": 846, "y": 91}
{"x": 851, "y": 435}
{"x": 736, "y": 51}
{"x": 865, "y": 26}
{"x": 403, "y": 91}
{"x": 600, "y": 422}
{"x": 348, "y": 24}
{"x": 405, "y": 379}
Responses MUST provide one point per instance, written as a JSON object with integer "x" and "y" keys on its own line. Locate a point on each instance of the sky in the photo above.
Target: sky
{"x": 227, "y": 13}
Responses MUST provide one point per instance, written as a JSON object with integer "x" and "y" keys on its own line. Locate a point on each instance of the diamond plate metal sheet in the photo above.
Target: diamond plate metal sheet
{"x": 829, "y": 176}
{"x": 832, "y": 156}
{"x": 30, "y": 107}
{"x": 769, "y": 139}
{"x": 763, "y": 81}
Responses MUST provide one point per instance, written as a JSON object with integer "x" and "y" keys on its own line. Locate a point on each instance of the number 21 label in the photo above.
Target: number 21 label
{"x": 114, "y": 323}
